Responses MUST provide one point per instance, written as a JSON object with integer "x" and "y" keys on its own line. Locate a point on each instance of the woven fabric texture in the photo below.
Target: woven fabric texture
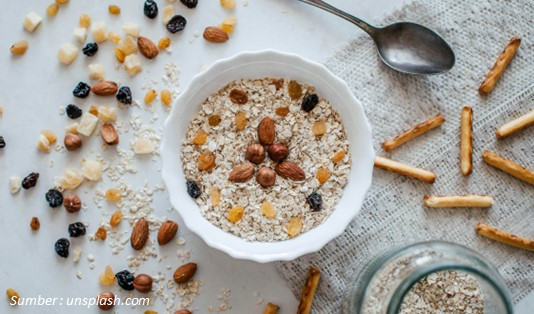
{"x": 393, "y": 212}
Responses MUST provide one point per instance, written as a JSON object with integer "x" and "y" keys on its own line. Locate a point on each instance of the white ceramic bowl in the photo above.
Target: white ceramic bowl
{"x": 257, "y": 65}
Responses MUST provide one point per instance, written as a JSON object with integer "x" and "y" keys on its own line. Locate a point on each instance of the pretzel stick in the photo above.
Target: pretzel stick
{"x": 466, "y": 146}
{"x": 458, "y": 201}
{"x": 500, "y": 65}
{"x": 515, "y": 126}
{"x": 404, "y": 169}
{"x": 308, "y": 291}
{"x": 413, "y": 132}
{"x": 504, "y": 237}
{"x": 271, "y": 309}
{"x": 509, "y": 167}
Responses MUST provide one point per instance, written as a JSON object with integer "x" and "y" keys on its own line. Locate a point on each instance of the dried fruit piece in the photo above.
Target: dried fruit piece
{"x": 215, "y": 197}
{"x": 62, "y": 1}
{"x": 72, "y": 203}
{"x": 206, "y": 161}
{"x": 14, "y": 184}
{"x": 267, "y": 208}
{"x": 90, "y": 49}
{"x": 124, "y": 95}
{"x": 184, "y": 273}
{"x": 127, "y": 45}
{"x": 67, "y": 53}
{"x": 150, "y": 9}
{"x": 236, "y": 213}
{"x": 2, "y": 142}
{"x": 81, "y": 90}
{"x": 150, "y": 96}
{"x": 62, "y": 247}
{"x": 176, "y": 24}
{"x": 238, "y": 96}
{"x": 242, "y": 173}
{"x": 52, "y": 9}
{"x": 143, "y": 146}
{"x": 97, "y": 72}
{"x": 35, "y": 224}
{"x": 87, "y": 124}
{"x": 200, "y": 138}
{"x": 114, "y": 9}
{"x": 294, "y": 226}
{"x": 282, "y": 111}
{"x": 131, "y": 29}
{"x": 278, "y": 83}
{"x": 12, "y": 295}
{"x": 31, "y": 21}
{"x": 114, "y": 37}
{"x": 71, "y": 179}
{"x": 189, "y": 3}
{"x": 93, "y": 110}
{"x": 107, "y": 278}
{"x": 125, "y": 279}
{"x": 132, "y": 64}
{"x": 214, "y": 120}
{"x": 113, "y": 195}
{"x": 315, "y": 201}
{"x": 73, "y": 111}
{"x": 168, "y": 13}
{"x": 101, "y": 233}
{"x": 107, "y": 114}
{"x": 192, "y": 189}
{"x": 166, "y": 97}
{"x": 241, "y": 120}
{"x": 30, "y": 181}
{"x": 215, "y": 35}
{"x": 167, "y": 231}
{"x": 228, "y": 4}
{"x": 77, "y": 229}
{"x": 19, "y": 48}
{"x": 43, "y": 144}
{"x": 54, "y": 198}
{"x": 50, "y": 136}
{"x": 164, "y": 43}
{"x": 139, "y": 234}
{"x": 309, "y": 102}
{"x": 294, "y": 90}
{"x": 339, "y": 156}
{"x": 85, "y": 20}
{"x": 116, "y": 218}
{"x": 92, "y": 170}
{"x": 120, "y": 55}
{"x": 319, "y": 128}
{"x": 80, "y": 33}
{"x": 227, "y": 25}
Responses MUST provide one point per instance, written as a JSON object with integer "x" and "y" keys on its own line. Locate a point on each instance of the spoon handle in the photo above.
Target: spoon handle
{"x": 356, "y": 21}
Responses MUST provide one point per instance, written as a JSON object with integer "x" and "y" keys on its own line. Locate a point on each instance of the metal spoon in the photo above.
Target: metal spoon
{"x": 406, "y": 47}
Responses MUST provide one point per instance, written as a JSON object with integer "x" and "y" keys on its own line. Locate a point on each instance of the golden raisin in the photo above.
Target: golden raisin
{"x": 116, "y": 218}
{"x": 294, "y": 227}
{"x": 241, "y": 120}
{"x": 206, "y": 161}
{"x": 113, "y": 195}
{"x": 322, "y": 175}
{"x": 62, "y": 1}
{"x": 85, "y": 20}
{"x": 294, "y": 89}
{"x": 215, "y": 197}
{"x": 50, "y": 136}
{"x": 228, "y": 4}
{"x": 319, "y": 128}
{"x": 120, "y": 55}
{"x": 228, "y": 29}
{"x": 114, "y": 37}
{"x": 107, "y": 278}
{"x": 12, "y": 295}
{"x": 35, "y": 224}
{"x": 238, "y": 96}
{"x": 150, "y": 96}
{"x": 164, "y": 43}
{"x": 267, "y": 208}
{"x": 214, "y": 120}
{"x": 282, "y": 111}
{"x": 278, "y": 83}
{"x": 200, "y": 138}
{"x": 339, "y": 156}
{"x": 166, "y": 97}
{"x": 114, "y": 9}
{"x": 93, "y": 110}
{"x": 235, "y": 214}
{"x": 150, "y": 312}
{"x": 52, "y": 9}
{"x": 101, "y": 233}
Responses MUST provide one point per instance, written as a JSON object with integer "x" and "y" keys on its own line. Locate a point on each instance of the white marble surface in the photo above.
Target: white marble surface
{"x": 34, "y": 86}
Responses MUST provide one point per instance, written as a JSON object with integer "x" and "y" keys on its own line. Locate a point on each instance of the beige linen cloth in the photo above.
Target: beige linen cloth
{"x": 393, "y": 212}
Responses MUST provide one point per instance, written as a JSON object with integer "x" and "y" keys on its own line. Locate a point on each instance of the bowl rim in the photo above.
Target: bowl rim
{"x": 326, "y": 234}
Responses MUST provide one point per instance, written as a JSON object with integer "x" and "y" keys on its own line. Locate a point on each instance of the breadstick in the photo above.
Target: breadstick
{"x": 515, "y": 126}
{"x": 500, "y": 65}
{"x": 504, "y": 237}
{"x": 308, "y": 291}
{"x": 404, "y": 169}
{"x": 466, "y": 146}
{"x": 413, "y": 132}
{"x": 509, "y": 167}
{"x": 271, "y": 309}
{"x": 458, "y": 201}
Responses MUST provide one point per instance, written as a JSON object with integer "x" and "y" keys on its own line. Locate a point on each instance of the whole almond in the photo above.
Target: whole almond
{"x": 266, "y": 132}
{"x": 147, "y": 48}
{"x": 167, "y": 231}
{"x": 105, "y": 300}
{"x": 139, "y": 234}
{"x": 215, "y": 35}
{"x": 242, "y": 173}
{"x": 143, "y": 283}
{"x": 290, "y": 170}
{"x": 183, "y": 311}
{"x": 185, "y": 272}
{"x": 105, "y": 88}
{"x": 72, "y": 142}
{"x": 278, "y": 152}
{"x": 109, "y": 135}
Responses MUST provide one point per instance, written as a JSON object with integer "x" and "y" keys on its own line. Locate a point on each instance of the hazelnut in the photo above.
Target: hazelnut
{"x": 255, "y": 153}
{"x": 72, "y": 203}
{"x": 266, "y": 177}
{"x": 183, "y": 311}
{"x": 278, "y": 152}
{"x": 143, "y": 283}
{"x": 105, "y": 300}
{"x": 72, "y": 141}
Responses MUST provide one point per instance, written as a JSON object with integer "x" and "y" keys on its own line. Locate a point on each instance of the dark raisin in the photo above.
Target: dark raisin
{"x": 30, "y": 181}
{"x": 315, "y": 201}
{"x": 151, "y": 9}
{"x": 193, "y": 189}
{"x": 73, "y": 111}
{"x": 124, "y": 95}
{"x": 62, "y": 247}
{"x": 176, "y": 24}
{"x": 90, "y": 49}
{"x": 2, "y": 142}
{"x": 54, "y": 198}
{"x": 190, "y": 3}
{"x": 81, "y": 90}
{"x": 125, "y": 280}
{"x": 76, "y": 229}
{"x": 309, "y": 102}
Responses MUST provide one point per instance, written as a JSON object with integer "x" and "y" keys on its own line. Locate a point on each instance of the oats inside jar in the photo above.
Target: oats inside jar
{"x": 232, "y": 154}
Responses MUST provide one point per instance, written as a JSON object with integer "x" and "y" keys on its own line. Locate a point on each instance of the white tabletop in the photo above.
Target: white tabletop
{"x": 34, "y": 86}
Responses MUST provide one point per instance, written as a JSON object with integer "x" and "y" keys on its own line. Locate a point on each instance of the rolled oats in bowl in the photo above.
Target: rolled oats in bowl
{"x": 266, "y": 159}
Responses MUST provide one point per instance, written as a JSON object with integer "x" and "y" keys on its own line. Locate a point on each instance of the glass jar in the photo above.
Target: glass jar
{"x": 383, "y": 283}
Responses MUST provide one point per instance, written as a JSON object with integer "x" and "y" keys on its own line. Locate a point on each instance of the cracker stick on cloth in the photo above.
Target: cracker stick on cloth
{"x": 466, "y": 141}
{"x": 404, "y": 169}
{"x": 308, "y": 291}
{"x": 515, "y": 126}
{"x": 500, "y": 65}
{"x": 504, "y": 237}
{"x": 413, "y": 132}
{"x": 509, "y": 167}
{"x": 458, "y": 201}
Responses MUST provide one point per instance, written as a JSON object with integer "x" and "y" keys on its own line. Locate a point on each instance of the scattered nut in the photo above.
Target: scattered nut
{"x": 266, "y": 131}
{"x": 278, "y": 152}
{"x": 167, "y": 231}
{"x": 215, "y": 35}
{"x": 255, "y": 153}
{"x": 147, "y": 48}
{"x": 143, "y": 283}
{"x": 109, "y": 134}
{"x": 266, "y": 177}
{"x": 72, "y": 203}
{"x": 105, "y": 301}
{"x": 35, "y": 224}
{"x": 72, "y": 142}
{"x": 105, "y": 88}
{"x": 139, "y": 234}
{"x": 290, "y": 170}
{"x": 242, "y": 173}
{"x": 185, "y": 272}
